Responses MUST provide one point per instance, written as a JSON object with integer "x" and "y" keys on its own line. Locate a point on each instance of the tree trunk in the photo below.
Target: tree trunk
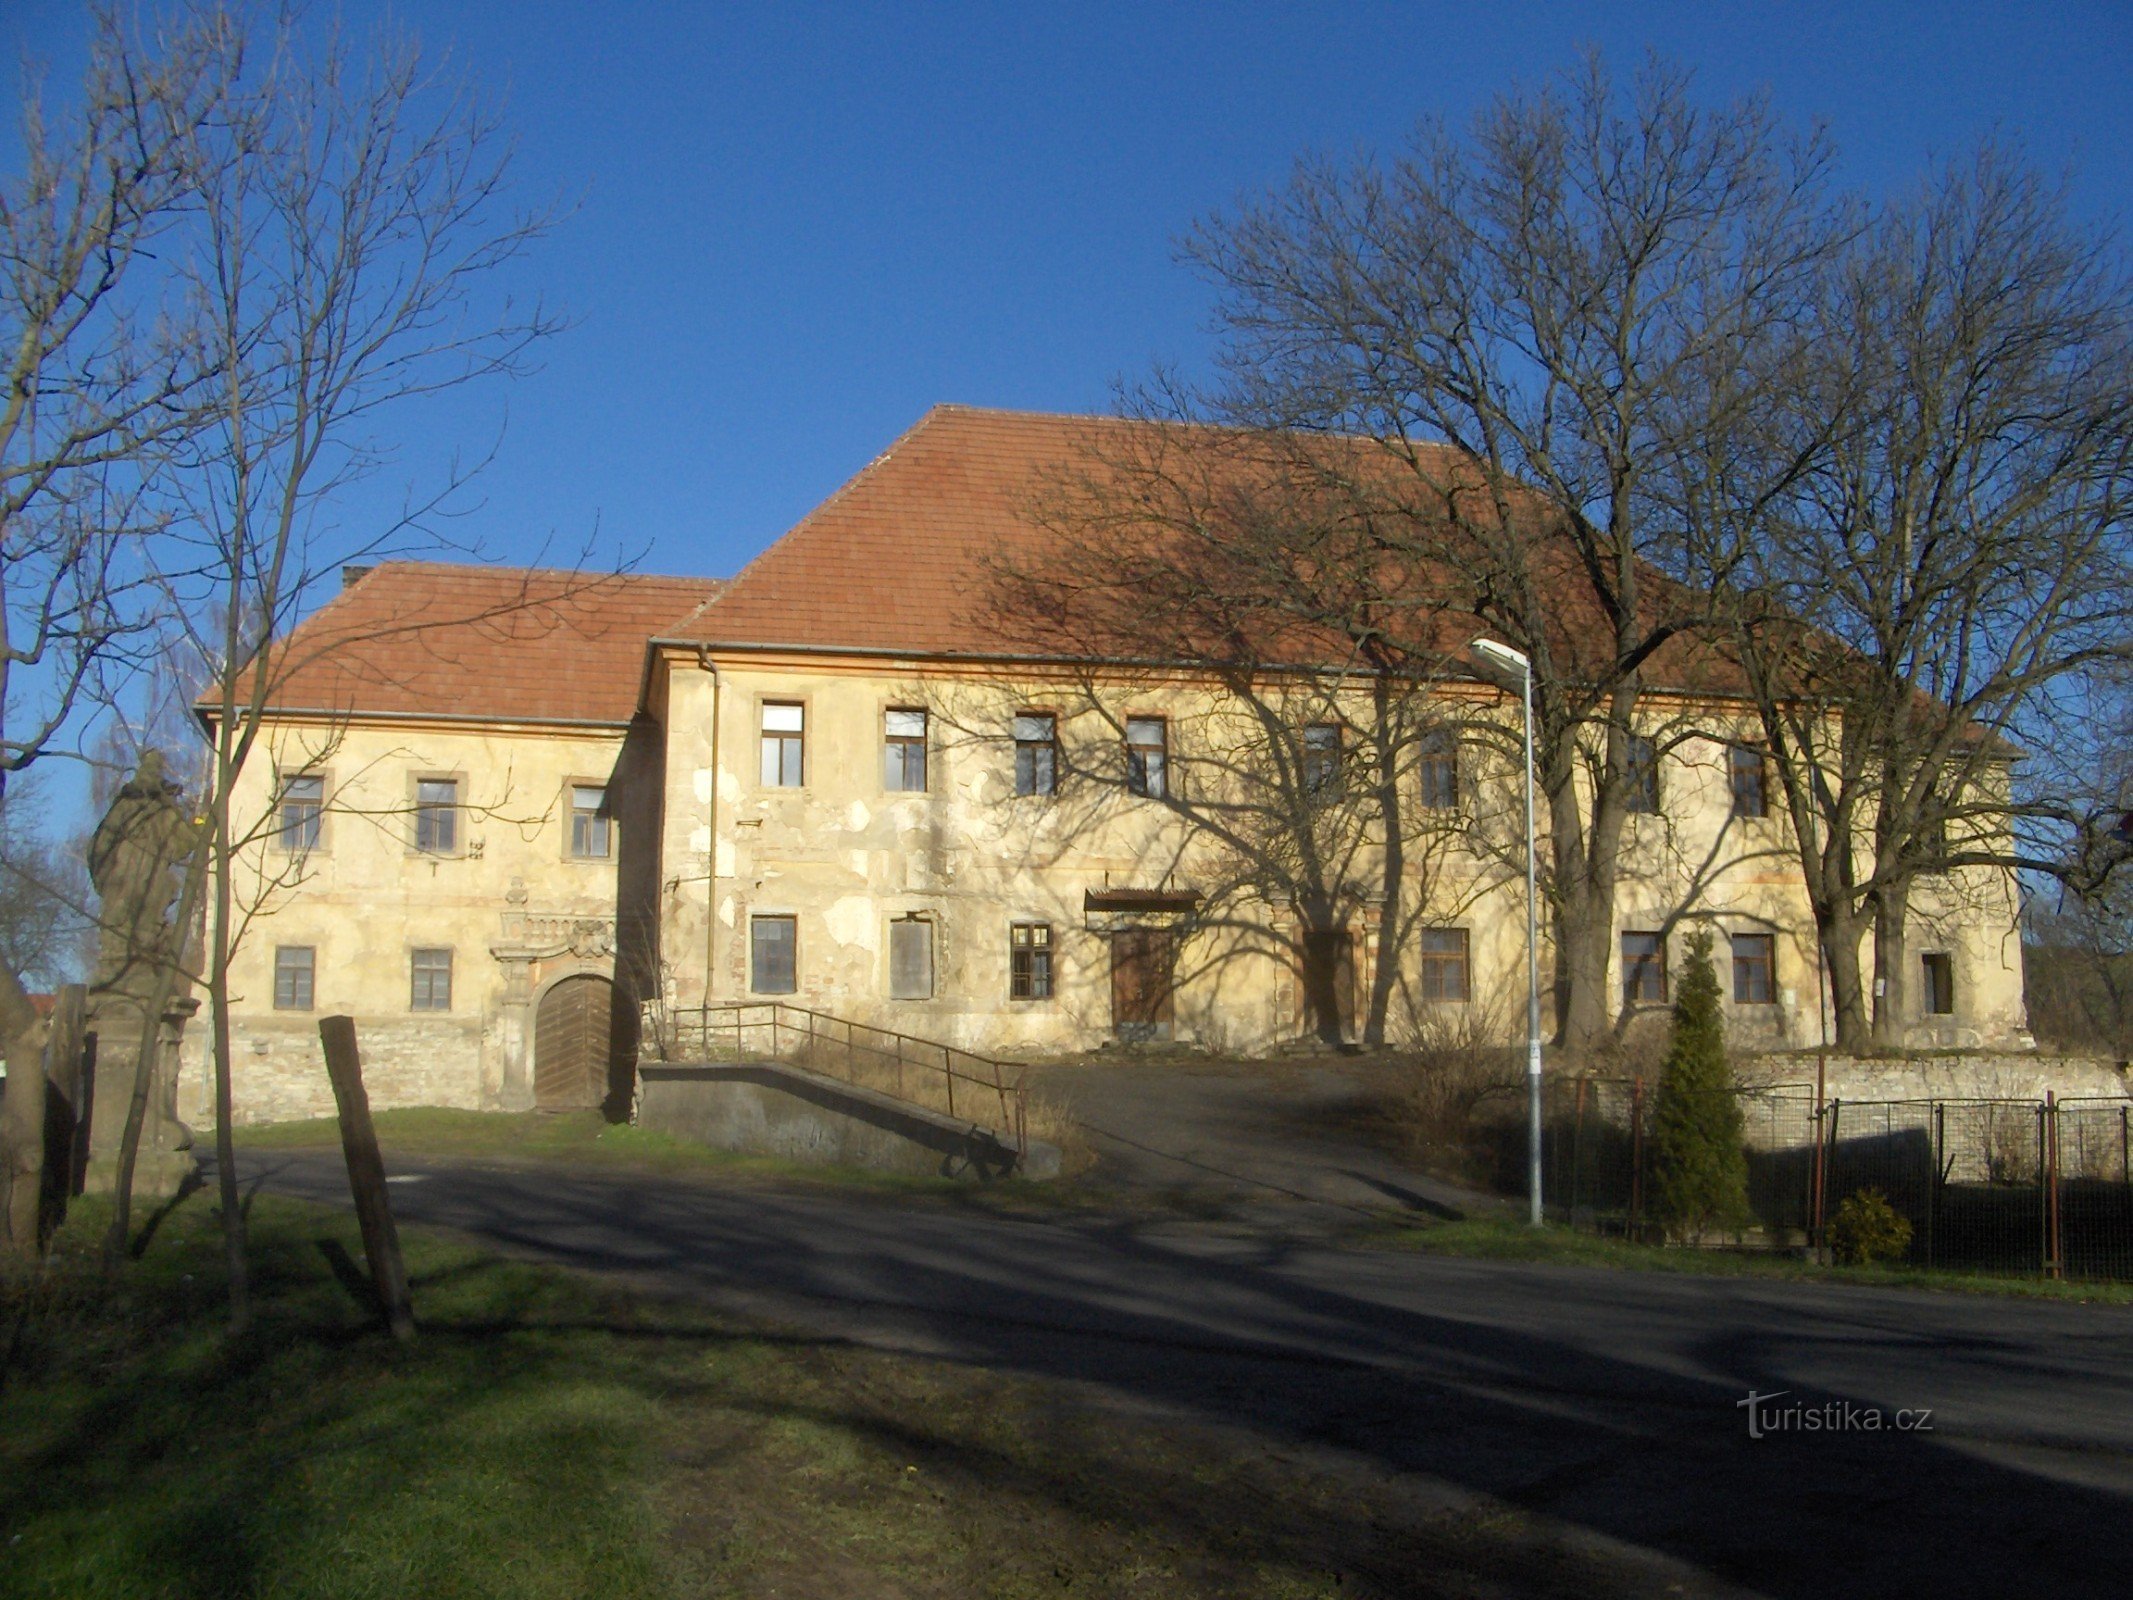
{"x": 1584, "y": 926}
{"x": 1839, "y": 932}
{"x": 1385, "y": 970}
{"x": 218, "y": 993}
{"x": 1892, "y": 909}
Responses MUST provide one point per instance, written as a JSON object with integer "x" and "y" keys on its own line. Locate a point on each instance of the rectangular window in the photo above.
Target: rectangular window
{"x": 1643, "y": 969}
{"x": 1445, "y": 975}
{"x": 1029, "y": 961}
{"x": 784, "y": 744}
{"x": 1939, "y": 995}
{"x": 1147, "y": 757}
{"x": 592, "y": 828}
{"x": 1440, "y": 770}
{"x": 773, "y": 946}
{"x": 1036, "y": 753}
{"x": 1754, "y": 969}
{"x": 1751, "y": 794}
{"x": 1322, "y": 760}
{"x": 437, "y": 816}
{"x": 911, "y": 959}
{"x": 431, "y": 975}
{"x": 303, "y": 804}
{"x": 1640, "y": 775}
{"x": 903, "y": 751}
{"x": 294, "y": 965}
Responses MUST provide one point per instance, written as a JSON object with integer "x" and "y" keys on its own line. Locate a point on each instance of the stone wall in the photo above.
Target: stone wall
{"x": 1968, "y": 1075}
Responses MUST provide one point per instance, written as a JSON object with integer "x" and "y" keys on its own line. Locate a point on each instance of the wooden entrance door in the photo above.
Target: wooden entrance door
{"x": 572, "y": 1034}
{"x": 1327, "y": 959}
{"x": 1142, "y": 962}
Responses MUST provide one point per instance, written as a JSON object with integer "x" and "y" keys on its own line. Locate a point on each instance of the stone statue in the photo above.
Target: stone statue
{"x": 142, "y": 839}
{"x": 133, "y": 857}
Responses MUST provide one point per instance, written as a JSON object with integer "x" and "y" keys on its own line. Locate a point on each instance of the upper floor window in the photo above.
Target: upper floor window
{"x": 437, "y": 816}
{"x": 1445, "y": 972}
{"x": 911, "y": 959}
{"x": 430, "y": 979}
{"x": 303, "y": 806}
{"x": 294, "y": 967}
{"x": 904, "y": 751}
{"x": 592, "y": 826}
{"x": 1939, "y": 974}
{"x": 1640, "y": 776}
{"x": 1036, "y": 753}
{"x": 773, "y": 951}
{"x": 1643, "y": 969}
{"x": 1148, "y": 757}
{"x": 784, "y": 744}
{"x": 1747, "y": 771}
{"x": 1440, "y": 770}
{"x": 1322, "y": 760}
{"x": 1755, "y": 969}
{"x": 1029, "y": 961}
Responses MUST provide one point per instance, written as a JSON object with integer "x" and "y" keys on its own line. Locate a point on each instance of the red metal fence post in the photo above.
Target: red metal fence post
{"x": 1636, "y": 1157}
{"x": 2054, "y": 1262}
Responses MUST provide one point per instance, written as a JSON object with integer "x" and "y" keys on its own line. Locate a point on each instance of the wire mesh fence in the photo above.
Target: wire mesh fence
{"x": 2007, "y": 1185}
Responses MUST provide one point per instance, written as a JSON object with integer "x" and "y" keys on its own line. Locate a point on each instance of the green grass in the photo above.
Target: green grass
{"x": 576, "y": 1138}
{"x": 548, "y": 1436}
{"x": 1502, "y": 1239}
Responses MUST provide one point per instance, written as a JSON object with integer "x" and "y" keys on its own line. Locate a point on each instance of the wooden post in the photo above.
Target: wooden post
{"x": 366, "y": 1174}
{"x": 84, "y": 1119}
{"x": 65, "y": 1117}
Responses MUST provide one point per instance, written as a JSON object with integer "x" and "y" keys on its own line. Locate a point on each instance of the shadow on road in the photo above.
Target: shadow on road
{"x": 1611, "y": 1401}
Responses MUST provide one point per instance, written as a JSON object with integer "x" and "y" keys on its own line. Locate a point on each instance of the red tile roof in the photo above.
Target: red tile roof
{"x": 908, "y": 557}
{"x": 418, "y": 638}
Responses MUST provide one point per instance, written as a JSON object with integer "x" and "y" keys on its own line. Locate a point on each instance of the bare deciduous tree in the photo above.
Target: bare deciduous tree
{"x": 103, "y": 378}
{"x": 351, "y": 221}
{"x": 1548, "y": 327}
{"x": 1929, "y": 597}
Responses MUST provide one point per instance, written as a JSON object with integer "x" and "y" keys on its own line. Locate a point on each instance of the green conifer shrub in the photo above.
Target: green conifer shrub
{"x": 1699, "y": 1173}
{"x": 1867, "y": 1229}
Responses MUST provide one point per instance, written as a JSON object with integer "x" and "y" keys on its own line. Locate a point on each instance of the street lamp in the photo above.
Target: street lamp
{"x": 1510, "y": 663}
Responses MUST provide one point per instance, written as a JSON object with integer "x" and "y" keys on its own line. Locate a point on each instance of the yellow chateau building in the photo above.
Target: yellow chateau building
{"x": 501, "y": 816}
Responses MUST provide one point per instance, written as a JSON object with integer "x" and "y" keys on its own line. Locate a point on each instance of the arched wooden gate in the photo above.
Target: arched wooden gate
{"x": 573, "y": 1031}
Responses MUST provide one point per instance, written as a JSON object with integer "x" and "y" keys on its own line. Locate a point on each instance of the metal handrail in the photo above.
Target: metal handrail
{"x": 811, "y": 1030}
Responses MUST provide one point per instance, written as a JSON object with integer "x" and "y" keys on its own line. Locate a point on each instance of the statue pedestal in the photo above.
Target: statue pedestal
{"x": 165, "y": 1160}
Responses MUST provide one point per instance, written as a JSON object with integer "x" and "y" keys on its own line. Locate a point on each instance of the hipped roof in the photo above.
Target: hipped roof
{"x": 433, "y": 639}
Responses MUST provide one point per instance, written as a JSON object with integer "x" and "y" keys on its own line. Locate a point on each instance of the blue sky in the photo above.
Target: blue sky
{"x": 792, "y": 227}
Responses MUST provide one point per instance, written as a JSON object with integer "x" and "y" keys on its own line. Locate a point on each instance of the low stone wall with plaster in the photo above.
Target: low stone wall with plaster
{"x": 278, "y": 1070}
{"x": 1966, "y": 1075}
{"x": 771, "y": 1108}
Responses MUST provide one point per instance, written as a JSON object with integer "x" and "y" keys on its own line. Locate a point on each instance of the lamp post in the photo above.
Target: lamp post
{"x": 1510, "y": 663}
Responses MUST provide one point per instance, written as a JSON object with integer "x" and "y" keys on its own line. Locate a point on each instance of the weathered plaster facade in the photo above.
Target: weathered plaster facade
{"x": 904, "y": 899}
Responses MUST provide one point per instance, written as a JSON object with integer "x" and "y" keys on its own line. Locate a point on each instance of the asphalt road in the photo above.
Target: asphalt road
{"x": 1610, "y": 1402}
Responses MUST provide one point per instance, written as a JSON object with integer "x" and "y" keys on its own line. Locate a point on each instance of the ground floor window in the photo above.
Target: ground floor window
{"x": 294, "y": 965}
{"x": 911, "y": 959}
{"x": 1643, "y": 969}
{"x": 773, "y": 944}
{"x": 430, "y": 979}
{"x": 1754, "y": 969}
{"x": 1445, "y": 972}
{"x": 1939, "y": 993}
{"x": 1029, "y": 959}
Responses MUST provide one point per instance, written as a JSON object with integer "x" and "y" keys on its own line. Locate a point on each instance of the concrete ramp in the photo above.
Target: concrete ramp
{"x": 778, "y": 1108}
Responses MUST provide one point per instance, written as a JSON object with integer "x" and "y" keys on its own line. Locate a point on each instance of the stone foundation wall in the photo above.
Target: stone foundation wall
{"x": 1969, "y": 1075}
{"x": 279, "y": 1070}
